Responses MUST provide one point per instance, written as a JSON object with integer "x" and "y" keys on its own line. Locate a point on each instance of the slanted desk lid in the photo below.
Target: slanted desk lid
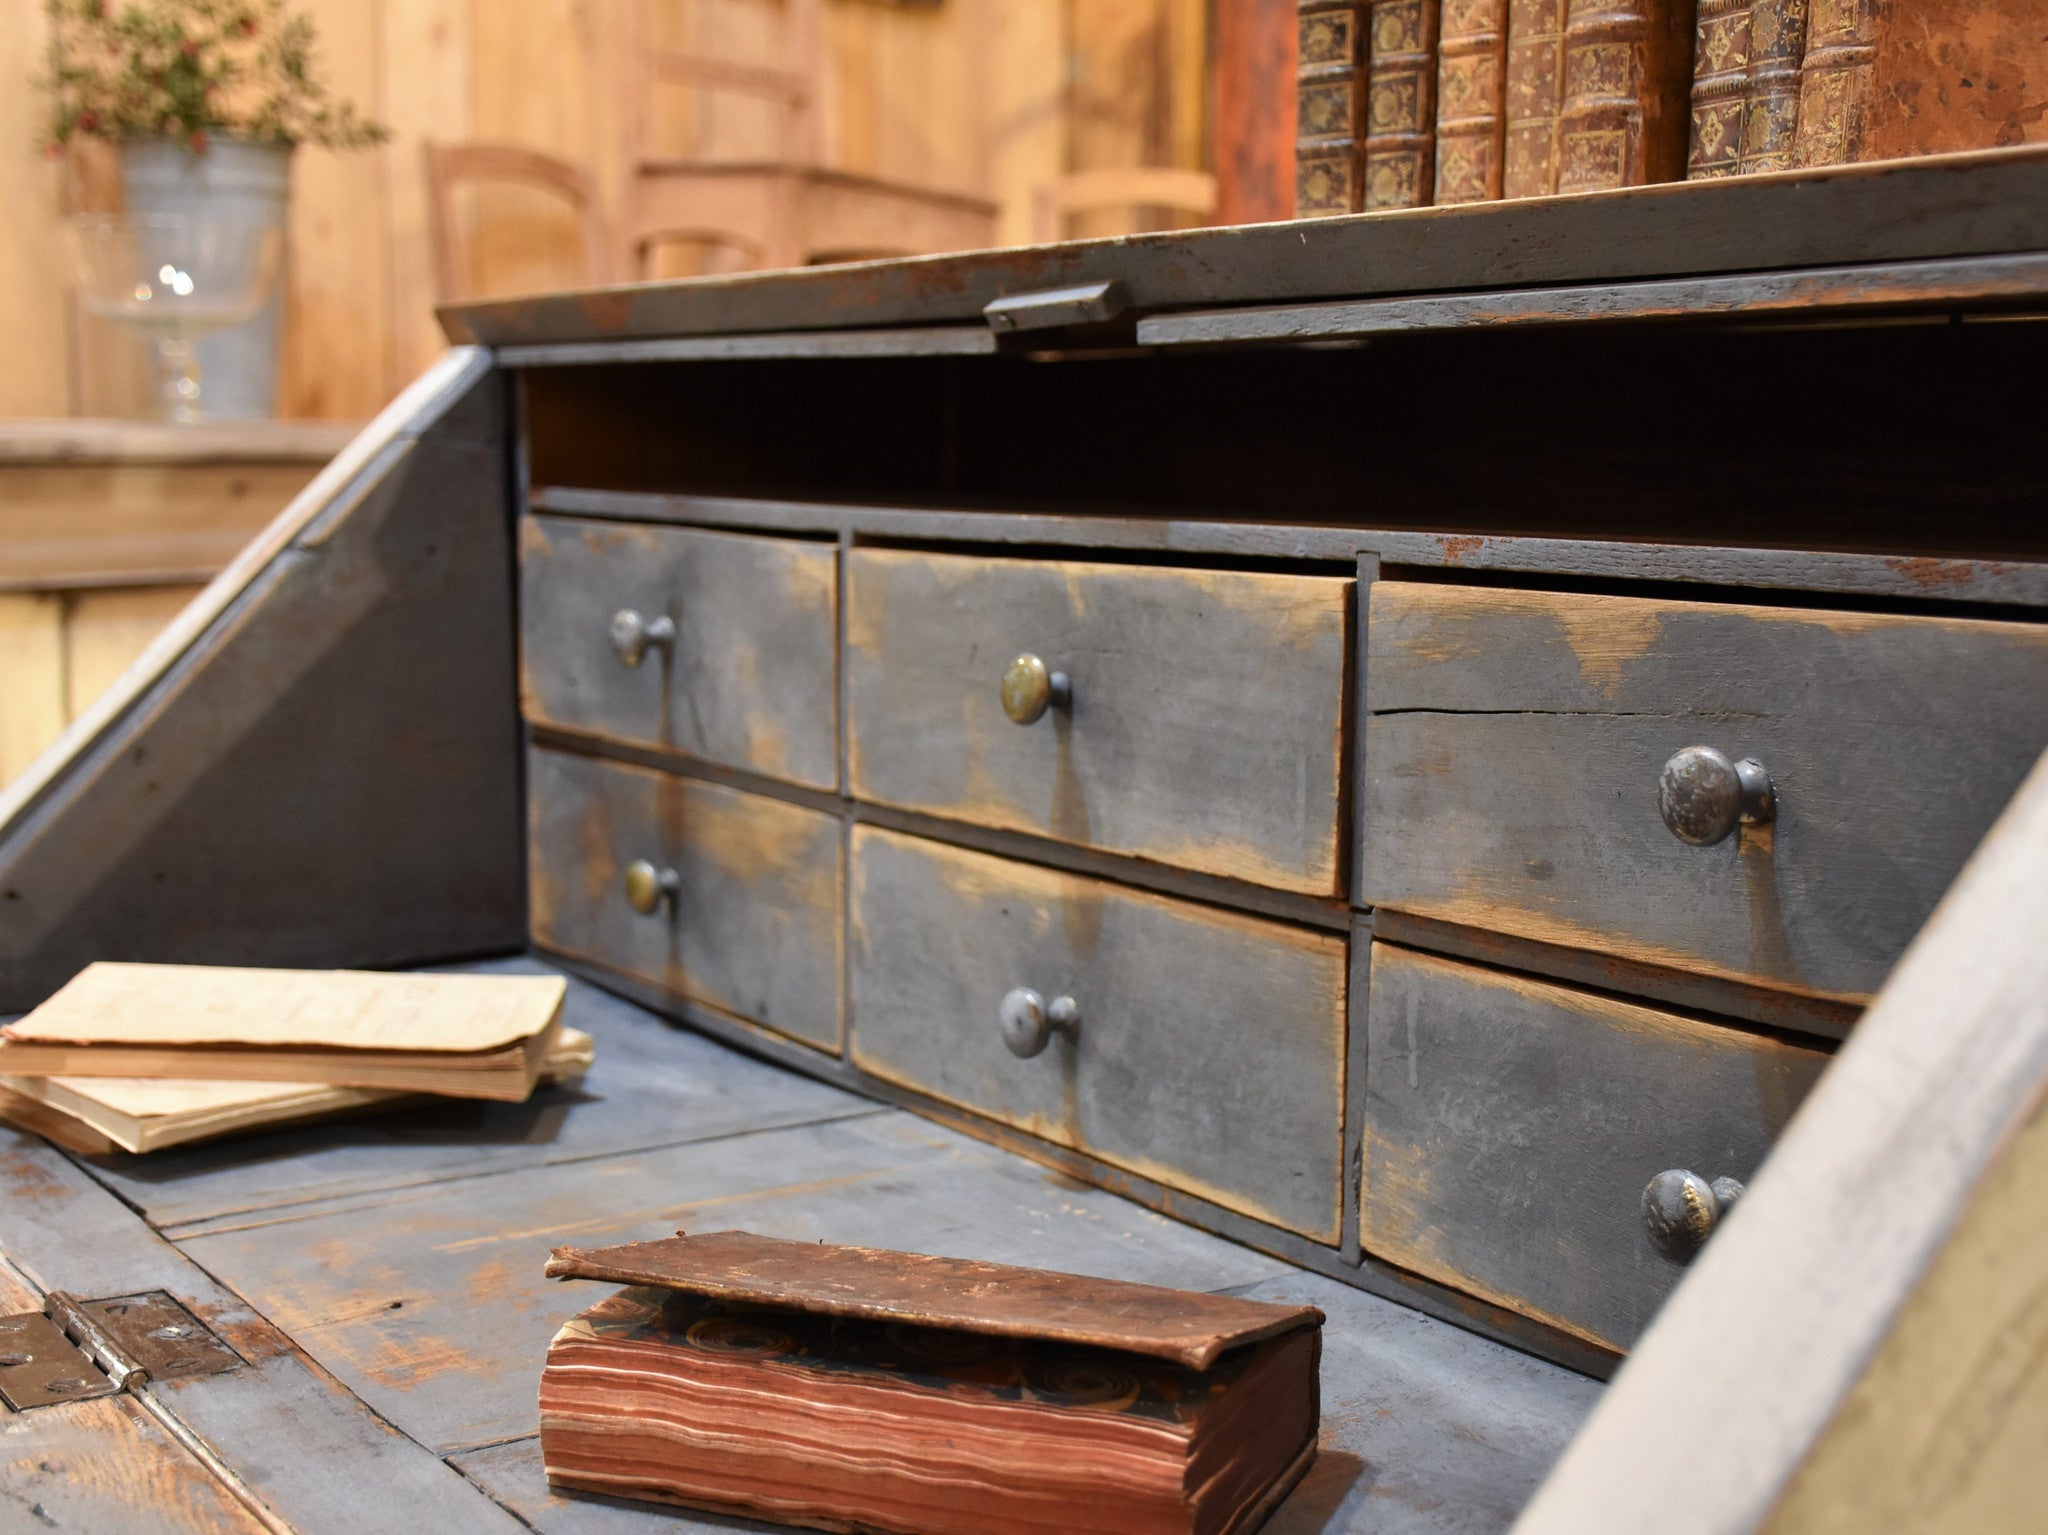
{"x": 1185, "y": 1326}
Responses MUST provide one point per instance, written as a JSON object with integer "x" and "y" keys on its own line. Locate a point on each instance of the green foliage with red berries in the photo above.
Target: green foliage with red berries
{"x": 187, "y": 69}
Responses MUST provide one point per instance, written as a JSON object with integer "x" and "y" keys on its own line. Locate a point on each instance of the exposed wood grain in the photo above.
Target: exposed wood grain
{"x": 32, "y": 700}
{"x": 456, "y": 1362}
{"x": 755, "y": 927}
{"x": 1507, "y": 725}
{"x": 751, "y": 679}
{"x": 1205, "y": 724}
{"x": 1949, "y": 206}
{"x": 35, "y": 265}
{"x": 306, "y": 1449}
{"x": 1210, "y": 1053}
{"x": 1788, "y": 1305}
{"x": 317, "y": 762}
{"x": 1511, "y": 1125}
{"x": 107, "y": 1467}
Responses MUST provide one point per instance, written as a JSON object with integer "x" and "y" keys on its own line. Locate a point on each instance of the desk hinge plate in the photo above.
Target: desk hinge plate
{"x": 76, "y": 1349}
{"x": 40, "y": 1367}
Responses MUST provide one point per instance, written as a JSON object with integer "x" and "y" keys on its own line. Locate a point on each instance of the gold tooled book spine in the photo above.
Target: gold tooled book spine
{"x": 1535, "y": 90}
{"x": 1471, "y": 109}
{"x": 1329, "y": 109}
{"x": 1720, "y": 88}
{"x": 1400, "y": 114}
{"x": 1627, "y": 76}
{"x": 1770, "y": 114}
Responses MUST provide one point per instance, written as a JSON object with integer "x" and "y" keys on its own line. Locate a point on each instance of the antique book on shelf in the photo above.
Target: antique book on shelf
{"x": 1535, "y": 90}
{"x": 1400, "y": 103}
{"x": 1884, "y": 79}
{"x": 142, "y": 1114}
{"x": 1745, "y": 86}
{"x": 1627, "y": 79}
{"x": 1471, "y": 108}
{"x": 465, "y": 1036}
{"x": 1329, "y": 108}
{"x": 847, "y": 1388}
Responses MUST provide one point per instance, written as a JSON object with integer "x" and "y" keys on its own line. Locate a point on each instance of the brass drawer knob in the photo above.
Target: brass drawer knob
{"x": 633, "y": 636}
{"x": 1029, "y": 1021}
{"x": 1703, "y": 796}
{"x": 1681, "y": 1210}
{"x": 1029, "y": 689}
{"x": 648, "y": 888}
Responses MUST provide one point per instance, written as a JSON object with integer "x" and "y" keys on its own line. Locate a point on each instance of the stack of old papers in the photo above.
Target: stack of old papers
{"x": 147, "y": 1056}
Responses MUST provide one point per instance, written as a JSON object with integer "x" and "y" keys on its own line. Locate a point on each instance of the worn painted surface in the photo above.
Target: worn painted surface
{"x": 1511, "y": 1125}
{"x": 106, "y": 1467}
{"x": 1205, "y": 727}
{"x": 1515, "y": 737}
{"x": 751, "y": 680}
{"x": 1210, "y": 1053}
{"x": 755, "y": 926}
{"x": 328, "y": 774}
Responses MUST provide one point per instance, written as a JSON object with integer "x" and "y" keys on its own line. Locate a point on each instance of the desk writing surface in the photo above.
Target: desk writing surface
{"x": 402, "y": 1254}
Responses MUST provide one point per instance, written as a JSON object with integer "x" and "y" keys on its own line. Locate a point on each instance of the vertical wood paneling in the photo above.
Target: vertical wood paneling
{"x": 31, "y": 676}
{"x": 993, "y": 97}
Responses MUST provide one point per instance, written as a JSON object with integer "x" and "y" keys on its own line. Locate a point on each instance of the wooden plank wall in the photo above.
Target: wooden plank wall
{"x": 984, "y": 96}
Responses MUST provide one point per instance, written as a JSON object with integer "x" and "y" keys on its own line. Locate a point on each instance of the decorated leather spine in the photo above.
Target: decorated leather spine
{"x": 1400, "y": 113}
{"x": 1471, "y": 108}
{"x": 1535, "y": 90}
{"x": 1329, "y": 148}
{"x": 1770, "y": 118}
{"x": 1835, "y": 79}
{"x": 1627, "y": 74}
{"x": 1720, "y": 88}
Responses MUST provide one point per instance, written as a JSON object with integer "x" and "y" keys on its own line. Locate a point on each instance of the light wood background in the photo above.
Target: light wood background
{"x": 984, "y": 96}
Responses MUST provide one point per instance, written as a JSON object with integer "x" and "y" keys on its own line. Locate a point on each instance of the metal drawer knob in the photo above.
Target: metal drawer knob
{"x": 1703, "y": 796}
{"x": 1681, "y": 1210}
{"x": 1029, "y": 1021}
{"x": 649, "y": 888}
{"x": 1029, "y": 689}
{"x": 633, "y": 636}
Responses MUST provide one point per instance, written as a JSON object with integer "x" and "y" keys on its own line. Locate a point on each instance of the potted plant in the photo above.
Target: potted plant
{"x": 204, "y": 100}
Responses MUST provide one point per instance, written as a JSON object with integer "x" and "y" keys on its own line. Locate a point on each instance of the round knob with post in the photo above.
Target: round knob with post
{"x": 1030, "y": 688}
{"x": 1681, "y": 1210}
{"x": 650, "y": 887}
{"x": 1703, "y": 795}
{"x": 634, "y": 634}
{"x": 1028, "y": 1021}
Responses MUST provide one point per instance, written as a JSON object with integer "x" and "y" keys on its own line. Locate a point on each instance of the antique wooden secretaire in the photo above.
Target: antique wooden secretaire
{"x": 1382, "y": 758}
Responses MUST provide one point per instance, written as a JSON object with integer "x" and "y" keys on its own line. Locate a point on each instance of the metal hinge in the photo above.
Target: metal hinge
{"x": 75, "y": 1349}
{"x": 1086, "y": 304}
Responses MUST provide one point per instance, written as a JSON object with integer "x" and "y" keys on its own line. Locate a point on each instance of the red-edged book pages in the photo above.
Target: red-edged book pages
{"x": 847, "y": 1388}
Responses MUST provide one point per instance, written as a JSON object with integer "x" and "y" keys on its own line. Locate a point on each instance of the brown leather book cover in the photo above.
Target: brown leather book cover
{"x": 852, "y": 1389}
{"x": 1329, "y": 108}
{"x": 1885, "y": 79}
{"x": 1535, "y": 90}
{"x": 1628, "y": 76}
{"x": 1400, "y": 104}
{"x": 1471, "y": 105}
{"x": 1770, "y": 114}
{"x": 1720, "y": 88}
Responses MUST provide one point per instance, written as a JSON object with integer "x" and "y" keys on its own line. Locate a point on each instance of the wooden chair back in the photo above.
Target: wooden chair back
{"x": 1054, "y": 202}
{"x": 449, "y": 166}
{"x": 794, "y": 87}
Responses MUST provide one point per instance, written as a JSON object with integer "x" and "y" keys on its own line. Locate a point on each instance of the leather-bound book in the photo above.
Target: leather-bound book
{"x": 1400, "y": 103}
{"x": 1471, "y": 107}
{"x": 849, "y": 1389}
{"x": 1883, "y": 79}
{"x": 1535, "y": 90}
{"x": 1770, "y": 114}
{"x": 1329, "y": 108}
{"x": 1720, "y": 88}
{"x": 1627, "y": 79}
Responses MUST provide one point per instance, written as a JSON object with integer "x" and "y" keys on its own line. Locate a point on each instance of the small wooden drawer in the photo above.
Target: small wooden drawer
{"x": 1511, "y": 1127}
{"x": 752, "y": 923}
{"x": 1205, "y": 723}
{"x": 746, "y": 678}
{"x": 1515, "y": 741}
{"x": 1209, "y": 1052}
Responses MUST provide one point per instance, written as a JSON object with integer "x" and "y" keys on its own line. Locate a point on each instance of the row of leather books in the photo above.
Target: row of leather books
{"x": 1404, "y": 103}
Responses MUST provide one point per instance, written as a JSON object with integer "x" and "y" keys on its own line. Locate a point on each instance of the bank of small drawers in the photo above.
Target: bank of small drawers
{"x": 817, "y": 793}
